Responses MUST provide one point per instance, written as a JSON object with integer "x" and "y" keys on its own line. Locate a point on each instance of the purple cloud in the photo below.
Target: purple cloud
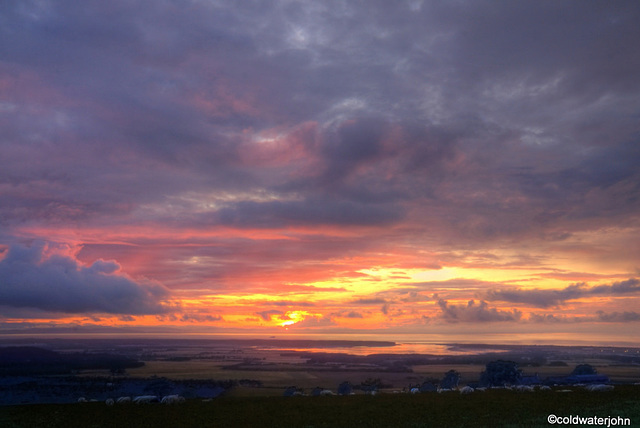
{"x": 57, "y": 283}
{"x": 157, "y": 133}
{"x": 544, "y": 298}
{"x": 474, "y": 312}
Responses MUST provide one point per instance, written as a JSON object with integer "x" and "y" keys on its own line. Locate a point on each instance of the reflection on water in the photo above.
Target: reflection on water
{"x": 436, "y": 344}
{"x": 364, "y": 344}
{"x": 399, "y": 348}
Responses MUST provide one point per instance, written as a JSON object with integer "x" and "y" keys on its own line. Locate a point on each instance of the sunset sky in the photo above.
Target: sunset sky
{"x": 438, "y": 167}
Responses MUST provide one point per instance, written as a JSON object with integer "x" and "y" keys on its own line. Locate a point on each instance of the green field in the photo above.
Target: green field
{"x": 494, "y": 408}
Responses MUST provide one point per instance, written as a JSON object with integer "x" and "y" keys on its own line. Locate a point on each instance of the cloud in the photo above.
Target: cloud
{"x": 378, "y": 114}
{"x": 289, "y": 303}
{"x": 626, "y": 316}
{"x": 314, "y": 321}
{"x": 29, "y": 278}
{"x": 537, "y": 297}
{"x": 348, "y": 314}
{"x": 266, "y": 315}
{"x": 322, "y": 211}
{"x": 632, "y": 285}
{"x": 373, "y": 301}
{"x": 544, "y": 298}
{"x": 473, "y": 312}
{"x": 601, "y": 316}
{"x": 385, "y": 309}
{"x": 198, "y": 318}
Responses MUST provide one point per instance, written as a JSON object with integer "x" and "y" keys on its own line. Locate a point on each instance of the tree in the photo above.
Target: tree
{"x": 371, "y": 384}
{"x": 584, "y": 369}
{"x": 345, "y": 388}
{"x": 500, "y": 373}
{"x": 450, "y": 380}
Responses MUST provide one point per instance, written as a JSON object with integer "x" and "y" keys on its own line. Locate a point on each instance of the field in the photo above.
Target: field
{"x": 257, "y": 373}
{"x": 495, "y": 408}
{"x": 275, "y": 380}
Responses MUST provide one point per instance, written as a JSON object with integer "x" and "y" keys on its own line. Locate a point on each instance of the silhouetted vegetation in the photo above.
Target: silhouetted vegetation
{"x": 584, "y": 369}
{"x": 450, "y": 380}
{"x": 28, "y": 360}
{"x": 499, "y": 373}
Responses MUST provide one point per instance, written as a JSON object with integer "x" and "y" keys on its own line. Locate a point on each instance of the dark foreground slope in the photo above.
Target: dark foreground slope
{"x": 501, "y": 408}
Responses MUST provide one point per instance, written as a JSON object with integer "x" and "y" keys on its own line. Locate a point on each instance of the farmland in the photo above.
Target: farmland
{"x": 242, "y": 383}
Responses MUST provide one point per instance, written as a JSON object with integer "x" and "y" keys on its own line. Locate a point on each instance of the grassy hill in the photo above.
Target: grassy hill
{"x": 501, "y": 408}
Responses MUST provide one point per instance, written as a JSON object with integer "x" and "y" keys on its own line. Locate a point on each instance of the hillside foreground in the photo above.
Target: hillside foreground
{"x": 497, "y": 407}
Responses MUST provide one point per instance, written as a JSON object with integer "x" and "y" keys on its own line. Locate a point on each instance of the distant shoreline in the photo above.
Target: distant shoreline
{"x": 362, "y": 347}
{"x": 346, "y": 339}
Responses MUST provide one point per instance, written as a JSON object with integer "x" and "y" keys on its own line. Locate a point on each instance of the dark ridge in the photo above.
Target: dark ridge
{"x": 31, "y": 360}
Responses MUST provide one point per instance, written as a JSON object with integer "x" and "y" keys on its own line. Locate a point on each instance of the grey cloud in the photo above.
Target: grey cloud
{"x": 266, "y": 315}
{"x": 385, "y": 309}
{"x": 632, "y": 285}
{"x": 29, "y": 279}
{"x": 473, "y": 312}
{"x": 537, "y": 297}
{"x": 547, "y": 318}
{"x": 626, "y": 316}
{"x": 365, "y": 80}
{"x": 455, "y": 283}
{"x": 289, "y": 303}
{"x": 601, "y": 316}
{"x": 471, "y": 120}
{"x": 195, "y": 318}
{"x": 314, "y": 322}
{"x": 374, "y": 301}
{"x": 348, "y": 314}
{"x": 544, "y": 298}
{"x": 309, "y": 212}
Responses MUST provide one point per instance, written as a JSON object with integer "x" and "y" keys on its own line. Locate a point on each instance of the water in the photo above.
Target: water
{"x": 428, "y": 343}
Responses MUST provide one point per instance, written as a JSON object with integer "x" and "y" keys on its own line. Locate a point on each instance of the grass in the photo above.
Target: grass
{"x": 495, "y": 408}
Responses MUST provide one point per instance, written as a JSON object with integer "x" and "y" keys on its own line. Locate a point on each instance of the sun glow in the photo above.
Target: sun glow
{"x": 293, "y": 317}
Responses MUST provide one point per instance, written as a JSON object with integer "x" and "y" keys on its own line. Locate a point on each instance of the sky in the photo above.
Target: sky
{"x": 419, "y": 167}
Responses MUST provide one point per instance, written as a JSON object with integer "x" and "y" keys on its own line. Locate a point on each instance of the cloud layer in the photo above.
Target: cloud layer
{"x": 549, "y": 297}
{"x": 324, "y": 154}
{"x": 58, "y": 283}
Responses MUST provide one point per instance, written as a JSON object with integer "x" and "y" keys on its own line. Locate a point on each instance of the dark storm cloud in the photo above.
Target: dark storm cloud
{"x": 29, "y": 279}
{"x": 544, "y": 298}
